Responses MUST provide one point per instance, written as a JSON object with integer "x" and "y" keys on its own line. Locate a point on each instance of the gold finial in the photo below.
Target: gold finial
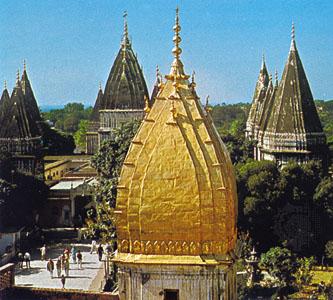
{"x": 24, "y": 65}
{"x": 177, "y": 39}
{"x": 177, "y": 68}
{"x": 147, "y": 108}
{"x": 193, "y": 84}
{"x": 5, "y": 85}
{"x": 207, "y": 107}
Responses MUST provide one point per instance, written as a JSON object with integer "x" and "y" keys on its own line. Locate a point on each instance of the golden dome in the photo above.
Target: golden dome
{"x": 177, "y": 191}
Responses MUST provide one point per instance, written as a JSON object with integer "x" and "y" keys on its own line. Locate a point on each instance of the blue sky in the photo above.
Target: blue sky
{"x": 70, "y": 45}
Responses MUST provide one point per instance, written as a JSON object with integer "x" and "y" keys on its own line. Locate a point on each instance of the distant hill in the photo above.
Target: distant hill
{"x": 47, "y": 108}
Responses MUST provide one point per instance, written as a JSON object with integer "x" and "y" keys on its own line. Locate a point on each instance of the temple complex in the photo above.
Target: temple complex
{"x": 20, "y": 133}
{"x": 123, "y": 98}
{"x": 283, "y": 120}
{"x": 176, "y": 206}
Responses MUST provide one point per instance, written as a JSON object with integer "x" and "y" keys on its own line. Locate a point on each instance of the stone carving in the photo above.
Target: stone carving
{"x": 137, "y": 247}
{"x": 124, "y": 246}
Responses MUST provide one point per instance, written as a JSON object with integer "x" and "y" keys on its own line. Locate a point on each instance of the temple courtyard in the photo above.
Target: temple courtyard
{"x": 90, "y": 277}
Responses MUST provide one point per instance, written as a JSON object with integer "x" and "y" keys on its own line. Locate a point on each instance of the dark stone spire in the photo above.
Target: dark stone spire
{"x": 29, "y": 96}
{"x": 95, "y": 113}
{"x": 267, "y": 105}
{"x": 294, "y": 111}
{"x": 4, "y": 102}
{"x": 258, "y": 99}
{"x": 16, "y": 119}
{"x": 126, "y": 86}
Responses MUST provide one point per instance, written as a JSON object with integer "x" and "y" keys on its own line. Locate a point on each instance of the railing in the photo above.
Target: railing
{"x": 7, "y": 276}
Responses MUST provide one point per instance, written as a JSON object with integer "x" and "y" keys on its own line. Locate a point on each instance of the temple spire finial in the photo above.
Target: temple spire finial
{"x": 177, "y": 68}
{"x": 100, "y": 85}
{"x": 5, "y": 85}
{"x": 177, "y": 39}
{"x": 293, "y": 31}
{"x": 208, "y": 109}
{"x": 24, "y": 65}
{"x": 293, "y": 43}
{"x": 147, "y": 107}
{"x": 125, "y": 34}
{"x": 157, "y": 74}
{"x": 17, "y": 77}
{"x": 263, "y": 62}
{"x": 276, "y": 78}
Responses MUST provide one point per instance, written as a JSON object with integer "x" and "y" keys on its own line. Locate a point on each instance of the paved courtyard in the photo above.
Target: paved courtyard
{"x": 87, "y": 278}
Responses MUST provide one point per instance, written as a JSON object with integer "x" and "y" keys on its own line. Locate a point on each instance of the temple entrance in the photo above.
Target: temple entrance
{"x": 171, "y": 294}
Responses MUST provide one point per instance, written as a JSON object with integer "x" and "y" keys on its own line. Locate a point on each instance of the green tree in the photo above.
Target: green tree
{"x": 304, "y": 273}
{"x": 280, "y": 263}
{"x": 6, "y": 165}
{"x": 6, "y": 213}
{"x": 259, "y": 196}
{"x": 80, "y": 134}
{"x": 20, "y": 201}
{"x": 324, "y": 196}
{"x": 108, "y": 162}
{"x": 329, "y": 250}
{"x": 55, "y": 142}
{"x": 68, "y": 118}
{"x": 300, "y": 181}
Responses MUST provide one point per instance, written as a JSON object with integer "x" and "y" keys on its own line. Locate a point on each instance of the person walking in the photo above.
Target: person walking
{"x": 79, "y": 259}
{"x": 50, "y": 267}
{"x": 93, "y": 247}
{"x": 20, "y": 260}
{"x": 63, "y": 280}
{"x": 66, "y": 253}
{"x": 67, "y": 267}
{"x": 73, "y": 254}
{"x": 100, "y": 252}
{"x": 27, "y": 259}
{"x": 58, "y": 266}
{"x": 43, "y": 252}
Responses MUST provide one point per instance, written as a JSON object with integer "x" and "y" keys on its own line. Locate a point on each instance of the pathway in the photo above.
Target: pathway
{"x": 84, "y": 279}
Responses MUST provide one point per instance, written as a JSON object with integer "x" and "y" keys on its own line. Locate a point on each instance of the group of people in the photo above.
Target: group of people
{"x": 63, "y": 261}
{"x": 99, "y": 250}
{"x": 24, "y": 258}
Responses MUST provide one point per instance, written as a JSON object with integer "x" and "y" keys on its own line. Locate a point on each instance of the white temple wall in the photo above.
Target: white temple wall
{"x": 147, "y": 282}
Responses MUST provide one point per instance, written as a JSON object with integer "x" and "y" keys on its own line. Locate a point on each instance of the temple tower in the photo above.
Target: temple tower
{"x": 289, "y": 127}
{"x": 20, "y": 133}
{"x": 124, "y": 95}
{"x": 176, "y": 207}
{"x": 258, "y": 99}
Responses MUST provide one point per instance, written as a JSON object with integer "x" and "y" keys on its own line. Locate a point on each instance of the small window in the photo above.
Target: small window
{"x": 171, "y": 294}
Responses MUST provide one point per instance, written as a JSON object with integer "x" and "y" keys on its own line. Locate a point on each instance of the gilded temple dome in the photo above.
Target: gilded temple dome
{"x": 177, "y": 190}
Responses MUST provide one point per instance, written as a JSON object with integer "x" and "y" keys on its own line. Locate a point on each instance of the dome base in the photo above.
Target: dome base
{"x": 183, "y": 281}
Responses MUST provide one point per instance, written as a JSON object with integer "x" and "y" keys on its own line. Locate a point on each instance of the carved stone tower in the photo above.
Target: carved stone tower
{"x": 20, "y": 133}
{"x": 123, "y": 99}
{"x": 177, "y": 203}
{"x": 286, "y": 124}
